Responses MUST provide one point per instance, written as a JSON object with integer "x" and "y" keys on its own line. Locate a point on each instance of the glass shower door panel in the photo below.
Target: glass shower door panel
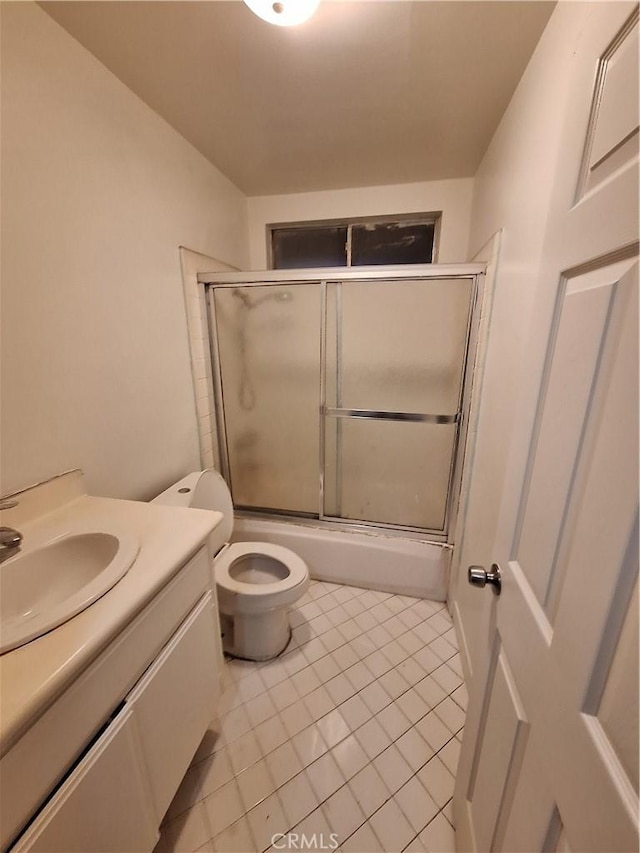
{"x": 269, "y": 351}
{"x": 402, "y": 344}
{"x": 388, "y": 472}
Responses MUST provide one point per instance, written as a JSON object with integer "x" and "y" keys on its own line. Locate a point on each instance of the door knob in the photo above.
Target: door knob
{"x": 481, "y": 577}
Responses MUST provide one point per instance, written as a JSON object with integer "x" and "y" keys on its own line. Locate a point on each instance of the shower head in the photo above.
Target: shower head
{"x": 279, "y": 296}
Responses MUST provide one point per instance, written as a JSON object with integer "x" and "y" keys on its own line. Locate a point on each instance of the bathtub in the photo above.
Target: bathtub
{"x": 370, "y": 560}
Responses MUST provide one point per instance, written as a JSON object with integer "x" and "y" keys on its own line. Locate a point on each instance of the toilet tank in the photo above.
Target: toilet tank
{"x": 203, "y": 490}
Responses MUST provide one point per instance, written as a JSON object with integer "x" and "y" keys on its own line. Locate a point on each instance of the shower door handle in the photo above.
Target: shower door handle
{"x": 478, "y": 576}
{"x": 375, "y": 415}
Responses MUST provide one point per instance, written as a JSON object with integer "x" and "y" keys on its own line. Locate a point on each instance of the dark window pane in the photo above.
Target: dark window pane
{"x": 309, "y": 247}
{"x": 392, "y": 243}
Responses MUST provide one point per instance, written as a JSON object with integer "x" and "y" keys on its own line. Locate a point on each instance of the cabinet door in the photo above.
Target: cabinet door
{"x": 103, "y": 806}
{"x": 175, "y": 701}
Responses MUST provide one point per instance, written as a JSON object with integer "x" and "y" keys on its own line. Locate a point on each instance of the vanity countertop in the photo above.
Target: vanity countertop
{"x": 34, "y": 675}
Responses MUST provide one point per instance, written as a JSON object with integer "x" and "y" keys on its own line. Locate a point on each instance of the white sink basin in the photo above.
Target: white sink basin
{"x": 42, "y": 588}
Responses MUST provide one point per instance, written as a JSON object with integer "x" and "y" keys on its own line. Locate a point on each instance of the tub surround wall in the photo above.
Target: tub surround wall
{"x": 99, "y": 195}
{"x": 452, "y": 197}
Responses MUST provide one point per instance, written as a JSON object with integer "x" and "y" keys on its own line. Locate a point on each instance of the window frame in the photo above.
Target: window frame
{"x": 428, "y": 218}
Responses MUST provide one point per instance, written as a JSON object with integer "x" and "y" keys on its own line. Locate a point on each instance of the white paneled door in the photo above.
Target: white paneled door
{"x": 550, "y": 754}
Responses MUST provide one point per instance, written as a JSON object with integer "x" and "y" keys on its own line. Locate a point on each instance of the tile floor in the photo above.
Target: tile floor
{"x": 355, "y": 730}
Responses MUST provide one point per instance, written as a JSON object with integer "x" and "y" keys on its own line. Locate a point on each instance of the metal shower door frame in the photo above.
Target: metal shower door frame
{"x": 323, "y": 277}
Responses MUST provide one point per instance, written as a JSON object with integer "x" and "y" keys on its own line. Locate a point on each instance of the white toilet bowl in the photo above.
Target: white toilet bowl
{"x": 256, "y": 582}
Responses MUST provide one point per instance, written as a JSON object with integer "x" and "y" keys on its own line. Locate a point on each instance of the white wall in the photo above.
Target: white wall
{"x": 512, "y": 193}
{"x": 98, "y": 193}
{"x": 452, "y": 197}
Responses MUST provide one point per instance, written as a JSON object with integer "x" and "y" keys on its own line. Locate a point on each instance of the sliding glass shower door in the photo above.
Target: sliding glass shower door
{"x": 395, "y": 355}
{"x": 268, "y": 341}
{"x": 340, "y": 398}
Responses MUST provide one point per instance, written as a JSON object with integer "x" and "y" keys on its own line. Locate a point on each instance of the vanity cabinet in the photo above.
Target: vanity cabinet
{"x": 103, "y": 805}
{"x": 113, "y": 796}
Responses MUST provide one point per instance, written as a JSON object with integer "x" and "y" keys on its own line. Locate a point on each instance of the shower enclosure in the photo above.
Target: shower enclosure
{"x": 340, "y": 394}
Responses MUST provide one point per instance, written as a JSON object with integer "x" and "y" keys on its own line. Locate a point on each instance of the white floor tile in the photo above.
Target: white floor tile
{"x": 326, "y": 668}
{"x": 355, "y": 712}
{"x": 283, "y": 763}
{"x": 446, "y": 678}
{"x": 284, "y": 694}
{"x": 449, "y": 755}
{"x": 223, "y": 807}
{"x": 244, "y": 751}
{"x": 412, "y": 705}
{"x": 315, "y": 828}
{"x": 265, "y": 820}
{"x": 437, "y": 780}
{"x": 314, "y": 649}
{"x": 350, "y": 756}
{"x": 433, "y": 730}
{"x": 377, "y": 663}
{"x": 373, "y": 738}
{"x": 325, "y": 777}
{"x": 359, "y": 675}
{"x": 318, "y": 702}
{"x": 430, "y": 691}
{"x": 215, "y": 772}
{"x": 393, "y": 721}
{"x": 375, "y": 697}
{"x": 188, "y": 793}
{"x": 443, "y": 649}
{"x": 298, "y": 799}
{"x": 461, "y": 696}
{"x": 260, "y": 708}
{"x": 305, "y": 681}
{"x": 187, "y": 832}
{"x": 334, "y": 728}
{"x": 391, "y": 827}
{"x": 362, "y": 841}
{"x": 271, "y": 734}
{"x": 416, "y": 803}
{"x": 235, "y": 839}
{"x": 393, "y": 683}
{"x": 345, "y": 657}
{"x": 343, "y": 813}
{"x": 392, "y": 768}
{"x": 394, "y": 652}
{"x": 296, "y": 717}
{"x": 363, "y": 646}
{"x": 439, "y": 836}
{"x": 236, "y": 723}
{"x": 309, "y": 745}
{"x": 411, "y": 670}
{"x": 415, "y": 750}
{"x": 450, "y": 714}
{"x": 254, "y": 784}
{"x": 369, "y": 789}
{"x": 415, "y": 846}
{"x": 340, "y": 689}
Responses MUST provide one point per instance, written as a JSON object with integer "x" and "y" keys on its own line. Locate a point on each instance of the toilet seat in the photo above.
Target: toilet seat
{"x": 252, "y": 597}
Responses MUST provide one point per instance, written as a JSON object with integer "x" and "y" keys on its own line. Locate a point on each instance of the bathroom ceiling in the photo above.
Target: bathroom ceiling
{"x": 363, "y": 94}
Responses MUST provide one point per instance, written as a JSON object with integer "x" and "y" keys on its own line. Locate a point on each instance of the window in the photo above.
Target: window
{"x": 354, "y": 243}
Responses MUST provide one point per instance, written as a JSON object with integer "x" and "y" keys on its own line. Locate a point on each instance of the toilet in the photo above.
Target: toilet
{"x": 256, "y": 582}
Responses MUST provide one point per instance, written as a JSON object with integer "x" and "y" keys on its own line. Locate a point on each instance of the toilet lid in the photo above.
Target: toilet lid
{"x": 211, "y": 492}
{"x": 298, "y": 571}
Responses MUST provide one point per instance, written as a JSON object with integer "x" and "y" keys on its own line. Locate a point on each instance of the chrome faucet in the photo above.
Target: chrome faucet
{"x": 10, "y": 539}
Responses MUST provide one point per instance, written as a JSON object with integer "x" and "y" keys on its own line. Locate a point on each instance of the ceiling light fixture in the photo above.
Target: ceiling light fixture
{"x": 283, "y": 13}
